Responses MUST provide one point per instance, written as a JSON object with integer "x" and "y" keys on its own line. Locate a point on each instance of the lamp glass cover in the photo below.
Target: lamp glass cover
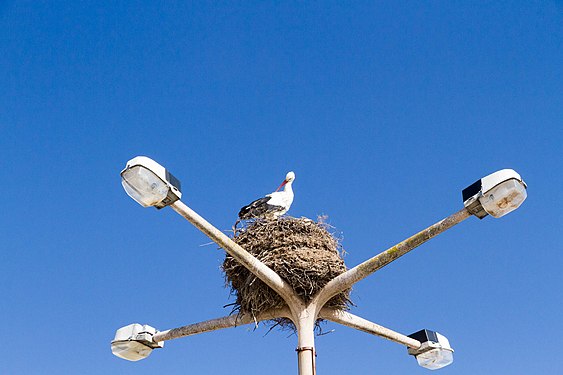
{"x": 504, "y": 198}
{"x": 130, "y": 350}
{"x": 144, "y": 186}
{"x": 435, "y": 358}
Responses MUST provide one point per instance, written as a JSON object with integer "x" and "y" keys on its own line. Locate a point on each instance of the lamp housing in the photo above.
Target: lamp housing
{"x": 134, "y": 342}
{"x": 149, "y": 183}
{"x": 497, "y": 194}
{"x": 434, "y": 352}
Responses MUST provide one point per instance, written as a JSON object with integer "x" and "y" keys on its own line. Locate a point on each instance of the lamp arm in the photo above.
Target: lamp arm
{"x": 219, "y": 323}
{"x": 345, "y": 280}
{"x": 356, "y": 322}
{"x": 262, "y": 271}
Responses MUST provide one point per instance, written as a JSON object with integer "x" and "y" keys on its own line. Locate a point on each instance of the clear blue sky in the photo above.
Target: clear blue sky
{"x": 385, "y": 111}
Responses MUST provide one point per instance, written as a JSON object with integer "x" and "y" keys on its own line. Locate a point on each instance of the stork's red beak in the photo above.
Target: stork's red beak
{"x": 283, "y": 183}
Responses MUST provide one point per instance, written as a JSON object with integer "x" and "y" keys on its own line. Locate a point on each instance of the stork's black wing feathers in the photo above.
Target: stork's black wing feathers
{"x": 257, "y": 208}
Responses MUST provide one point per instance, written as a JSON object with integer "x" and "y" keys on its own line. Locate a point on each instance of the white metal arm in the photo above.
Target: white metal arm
{"x": 354, "y": 321}
{"x": 219, "y": 323}
{"x": 263, "y": 272}
{"x": 347, "y": 279}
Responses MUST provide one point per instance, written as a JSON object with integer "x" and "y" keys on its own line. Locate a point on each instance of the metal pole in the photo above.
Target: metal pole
{"x": 347, "y": 279}
{"x": 306, "y": 354}
{"x": 263, "y": 272}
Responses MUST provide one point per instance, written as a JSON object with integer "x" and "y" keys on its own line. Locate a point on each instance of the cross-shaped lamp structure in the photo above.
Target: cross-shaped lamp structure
{"x": 150, "y": 184}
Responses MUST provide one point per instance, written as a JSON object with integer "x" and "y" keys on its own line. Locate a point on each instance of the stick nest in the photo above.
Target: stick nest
{"x": 301, "y": 251}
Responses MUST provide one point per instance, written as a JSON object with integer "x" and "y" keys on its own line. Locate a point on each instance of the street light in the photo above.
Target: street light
{"x": 434, "y": 352}
{"x": 149, "y": 183}
{"x": 134, "y": 342}
{"x": 496, "y": 194}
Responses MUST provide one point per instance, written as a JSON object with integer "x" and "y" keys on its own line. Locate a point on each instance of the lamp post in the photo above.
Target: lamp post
{"x": 150, "y": 184}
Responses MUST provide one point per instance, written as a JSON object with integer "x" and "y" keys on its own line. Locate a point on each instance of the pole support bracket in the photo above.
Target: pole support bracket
{"x": 304, "y": 348}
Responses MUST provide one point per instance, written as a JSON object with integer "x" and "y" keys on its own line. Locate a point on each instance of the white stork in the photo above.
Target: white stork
{"x": 272, "y": 205}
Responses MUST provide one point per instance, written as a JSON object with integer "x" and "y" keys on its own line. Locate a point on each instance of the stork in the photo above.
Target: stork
{"x": 272, "y": 205}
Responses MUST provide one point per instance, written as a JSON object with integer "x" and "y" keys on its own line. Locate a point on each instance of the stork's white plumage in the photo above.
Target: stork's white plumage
{"x": 272, "y": 205}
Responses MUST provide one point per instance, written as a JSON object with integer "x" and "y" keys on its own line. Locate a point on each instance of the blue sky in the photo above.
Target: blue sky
{"x": 385, "y": 110}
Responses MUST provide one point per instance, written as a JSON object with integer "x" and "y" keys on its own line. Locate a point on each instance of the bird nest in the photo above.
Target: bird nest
{"x": 301, "y": 251}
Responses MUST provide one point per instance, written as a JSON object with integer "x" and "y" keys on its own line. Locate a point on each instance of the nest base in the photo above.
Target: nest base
{"x": 300, "y": 250}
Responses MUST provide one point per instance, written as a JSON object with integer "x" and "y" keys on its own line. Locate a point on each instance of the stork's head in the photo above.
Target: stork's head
{"x": 289, "y": 177}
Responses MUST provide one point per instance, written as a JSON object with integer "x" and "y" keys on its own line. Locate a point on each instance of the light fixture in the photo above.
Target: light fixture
{"x": 434, "y": 352}
{"x": 149, "y": 183}
{"x": 134, "y": 342}
{"x": 496, "y": 194}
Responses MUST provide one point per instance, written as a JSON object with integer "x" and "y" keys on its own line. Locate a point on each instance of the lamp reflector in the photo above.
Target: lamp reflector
{"x": 434, "y": 359}
{"x": 130, "y": 350}
{"x": 145, "y": 187}
{"x": 503, "y": 198}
